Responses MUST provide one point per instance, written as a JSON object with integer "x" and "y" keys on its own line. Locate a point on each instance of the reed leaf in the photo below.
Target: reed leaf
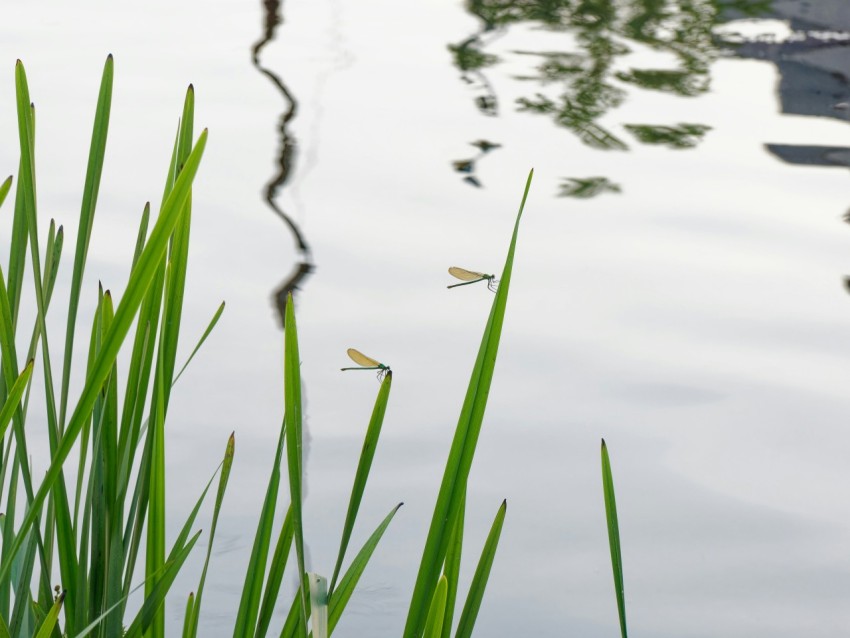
{"x": 364, "y": 465}
{"x": 94, "y": 170}
{"x": 452, "y": 569}
{"x": 4, "y": 189}
{"x": 482, "y": 574}
{"x": 49, "y": 623}
{"x": 252, "y": 588}
{"x": 153, "y": 601}
{"x": 342, "y": 594}
{"x": 13, "y": 399}
{"x": 275, "y": 577}
{"x": 437, "y": 610}
{"x": 292, "y": 418}
{"x": 453, "y": 486}
{"x": 203, "y": 338}
{"x": 614, "y": 538}
{"x": 226, "y": 464}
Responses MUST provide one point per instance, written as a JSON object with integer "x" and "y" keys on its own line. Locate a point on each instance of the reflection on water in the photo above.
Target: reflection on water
{"x": 587, "y": 187}
{"x": 583, "y": 80}
{"x": 468, "y": 166}
{"x": 285, "y": 160}
{"x": 813, "y": 66}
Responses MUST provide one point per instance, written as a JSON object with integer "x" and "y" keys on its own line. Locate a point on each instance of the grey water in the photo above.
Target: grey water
{"x": 679, "y": 286}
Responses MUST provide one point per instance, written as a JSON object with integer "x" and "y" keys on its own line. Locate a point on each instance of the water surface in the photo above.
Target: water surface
{"x": 678, "y": 287}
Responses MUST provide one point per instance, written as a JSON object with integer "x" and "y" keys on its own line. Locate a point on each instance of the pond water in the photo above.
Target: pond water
{"x": 678, "y": 286}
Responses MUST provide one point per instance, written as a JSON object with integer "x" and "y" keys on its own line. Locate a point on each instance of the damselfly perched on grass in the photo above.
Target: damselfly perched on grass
{"x": 367, "y": 363}
{"x": 471, "y": 277}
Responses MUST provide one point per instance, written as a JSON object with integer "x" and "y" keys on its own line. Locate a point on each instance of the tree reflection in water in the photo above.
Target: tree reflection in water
{"x": 285, "y": 160}
{"x": 577, "y": 86}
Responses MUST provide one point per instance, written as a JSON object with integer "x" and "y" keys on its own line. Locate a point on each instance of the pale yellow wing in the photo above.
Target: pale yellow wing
{"x": 466, "y": 275}
{"x": 361, "y": 359}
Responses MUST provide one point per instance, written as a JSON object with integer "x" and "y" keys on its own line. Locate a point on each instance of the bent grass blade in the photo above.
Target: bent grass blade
{"x": 471, "y": 277}
{"x": 366, "y": 363}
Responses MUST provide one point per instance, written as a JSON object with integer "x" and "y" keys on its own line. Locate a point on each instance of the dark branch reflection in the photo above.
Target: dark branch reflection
{"x": 285, "y": 160}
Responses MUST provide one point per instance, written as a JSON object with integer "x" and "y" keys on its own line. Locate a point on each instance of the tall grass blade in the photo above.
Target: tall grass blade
{"x": 187, "y": 616}
{"x": 13, "y": 399}
{"x": 94, "y": 170}
{"x": 452, "y": 569}
{"x": 318, "y": 605}
{"x": 482, "y": 574}
{"x": 153, "y": 601}
{"x": 58, "y": 506}
{"x": 614, "y": 538}
{"x": 49, "y": 623}
{"x": 4, "y": 189}
{"x": 275, "y": 577}
{"x": 370, "y": 444}
{"x": 342, "y": 594}
{"x": 252, "y": 588}
{"x": 292, "y": 418}
{"x": 462, "y": 451}
{"x": 203, "y": 338}
{"x": 437, "y": 610}
{"x": 226, "y": 465}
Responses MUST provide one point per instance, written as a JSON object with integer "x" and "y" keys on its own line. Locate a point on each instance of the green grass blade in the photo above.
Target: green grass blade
{"x": 292, "y": 418}
{"x": 226, "y": 464}
{"x": 4, "y": 630}
{"x": 4, "y": 189}
{"x": 94, "y": 624}
{"x": 452, "y": 569}
{"x": 482, "y": 574}
{"x": 140, "y": 279}
{"x": 463, "y": 449}
{"x": 13, "y": 399}
{"x": 178, "y": 255}
{"x": 51, "y": 266}
{"x": 246, "y": 617}
{"x": 59, "y": 504}
{"x": 49, "y": 623}
{"x": 614, "y": 538}
{"x": 294, "y": 626}
{"x": 370, "y": 444}
{"x": 203, "y": 338}
{"x": 94, "y": 170}
{"x": 142, "y": 233}
{"x": 187, "y": 616}
{"x": 154, "y": 600}
{"x": 437, "y": 610}
{"x": 318, "y": 605}
{"x": 155, "y": 549}
{"x": 22, "y": 613}
{"x": 342, "y": 594}
{"x": 275, "y": 577}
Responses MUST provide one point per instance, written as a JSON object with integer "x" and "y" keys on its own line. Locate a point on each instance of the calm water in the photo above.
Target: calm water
{"x": 678, "y": 286}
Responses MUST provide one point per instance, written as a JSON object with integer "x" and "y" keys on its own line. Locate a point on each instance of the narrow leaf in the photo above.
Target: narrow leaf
{"x": 370, "y": 444}
{"x": 459, "y": 463}
{"x": 482, "y": 574}
{"x": 614, "y": 538}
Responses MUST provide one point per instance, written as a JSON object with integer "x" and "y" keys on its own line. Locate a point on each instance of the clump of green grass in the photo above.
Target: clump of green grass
{"x": 90, "y": 532}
